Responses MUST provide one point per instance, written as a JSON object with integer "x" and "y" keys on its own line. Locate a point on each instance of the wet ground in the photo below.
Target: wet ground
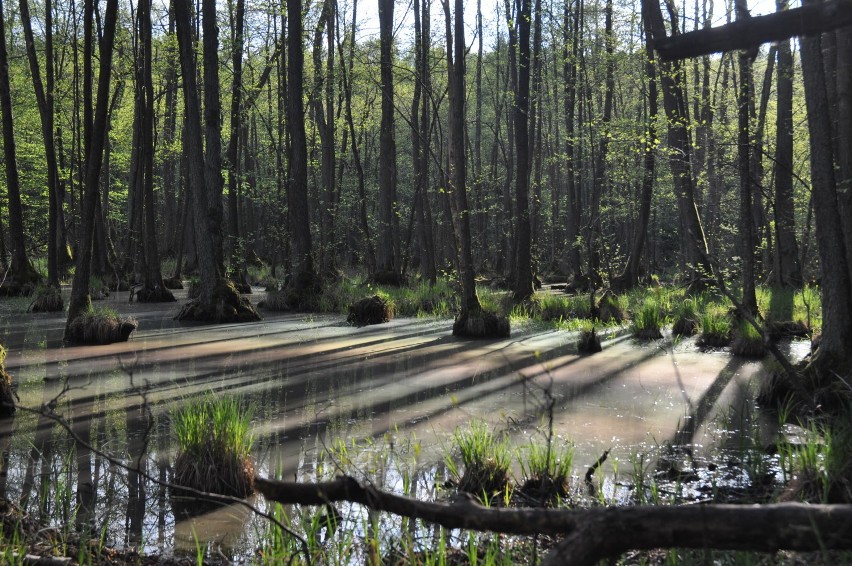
{"x": 317, "y": 384}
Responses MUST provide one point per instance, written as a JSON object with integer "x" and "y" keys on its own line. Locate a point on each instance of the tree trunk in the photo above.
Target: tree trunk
{"x": 236, "y": 247}
{"x": 680, "y": 159}
{"x": 572, "y": 229}
{"x": 630, "y": 276}
{"x": 22, "y": 277}
{"x": 788, "y": 272}
{"x": 302, "y": 266}
{"x": 836, "y": 286}
{"x": 217, "y": 301}
{"x": 44, "y": 100}
{"x": 457, "y": 173}
{"x": 746, "y": 225}
{"x": 80, "y": 301}
{"x": 523, "y": 283}
{"x": 388, "y": 243}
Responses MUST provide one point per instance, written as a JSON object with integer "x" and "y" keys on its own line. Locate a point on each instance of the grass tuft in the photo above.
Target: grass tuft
{"x": 715, "y": 327}
{"x": 546, "y": 470}
{"x": 648, "y": 322}
{"x": 486, "y": 461}
{"x": 215, "y": 442}
{"x": 747, "y": 341}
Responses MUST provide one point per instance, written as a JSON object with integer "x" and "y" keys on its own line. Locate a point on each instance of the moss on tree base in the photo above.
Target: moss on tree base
{"x": 371, "y": 310}
{"x": 47, "y": 299}
{"x": 154, "y": 294}
{"x": 481, "y": 324}
{"x": 227, "y": 306}
{"x": 99, "y": 329}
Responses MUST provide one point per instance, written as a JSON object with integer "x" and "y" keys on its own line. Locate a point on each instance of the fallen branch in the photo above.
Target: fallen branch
{"x": 595, "y": 534}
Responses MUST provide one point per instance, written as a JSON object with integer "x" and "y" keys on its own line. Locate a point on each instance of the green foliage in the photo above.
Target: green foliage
{"x": 822, "y": 462}
{"x": 747, "y": 341}
{"x": 686, "y": 316}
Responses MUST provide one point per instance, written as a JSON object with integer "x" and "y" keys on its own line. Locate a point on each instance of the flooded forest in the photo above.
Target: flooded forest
{"x": 428, "y": 282}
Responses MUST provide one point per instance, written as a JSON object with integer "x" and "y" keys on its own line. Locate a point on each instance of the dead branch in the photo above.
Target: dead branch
{"x": 752, "y": 32}
{"x": 594, "y": 534}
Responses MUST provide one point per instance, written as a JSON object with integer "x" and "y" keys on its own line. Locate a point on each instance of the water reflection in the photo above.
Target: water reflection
{"x": 318, "y": 386}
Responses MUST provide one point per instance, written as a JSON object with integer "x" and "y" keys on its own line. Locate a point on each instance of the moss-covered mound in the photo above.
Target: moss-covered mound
{"x": 20, "y": 283}
{"x": 227, "y": 306}
{"x": 155, "y": 294}
{"x": 7, "y": 394}
{"x": 99, "y": 328}
{"x": 371, "y": 310}
{"x": 47, "y": 299}
{"x": 481, "y": 324}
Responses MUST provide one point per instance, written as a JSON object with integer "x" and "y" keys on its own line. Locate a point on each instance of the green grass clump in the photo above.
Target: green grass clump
{"x": 686, "y": 318}
{"x": 822, "y": 463}
{"x": 715, "y": 327}
{"x": 7, "y": 396}
{"x": 546, "y": 469}
{"x": 648, "y": 322}
{"x": 99, "y": 326}
{"x": 485, "y": 458}
{"x": 747, "y": 341}
{"x": 215, "y": 442}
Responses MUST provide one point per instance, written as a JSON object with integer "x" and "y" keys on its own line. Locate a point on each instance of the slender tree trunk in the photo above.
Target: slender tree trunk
{"x": 237, "y": 251}
{"x": 572, "y": 228}
{"x": 302, "y": 265}
{"x": 457, "y": 173}
{"x": 22, "y": 277}
{"x": 523, "y": 283}
{"x": 388, "y": 244}
{"x": 672, "y": 82}
{"x": 44, "y": 100}
{"x": 80, "y": 300}
{"x": 746, "y": 225}
{"x": 630, "y": 276}
{"x": 788, "y": 272}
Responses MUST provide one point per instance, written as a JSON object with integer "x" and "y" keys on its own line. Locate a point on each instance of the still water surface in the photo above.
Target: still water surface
{"x": 395, "y": 391}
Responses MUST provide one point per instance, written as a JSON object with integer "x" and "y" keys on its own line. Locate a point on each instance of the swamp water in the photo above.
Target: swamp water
{"x": 381, "y": 402}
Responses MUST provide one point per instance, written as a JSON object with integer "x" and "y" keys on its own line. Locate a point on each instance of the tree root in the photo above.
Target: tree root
{"x": 481, "y": 324}
{"x": 48, "y": 299}
{"x": 371, "y": 310}
{"x": 99, "y": 329}
{"x": 227, "y": 306}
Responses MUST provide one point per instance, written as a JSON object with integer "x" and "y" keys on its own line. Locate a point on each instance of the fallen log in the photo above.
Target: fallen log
{"x": 595, "y": 534}
{"x": 752, "y": 32}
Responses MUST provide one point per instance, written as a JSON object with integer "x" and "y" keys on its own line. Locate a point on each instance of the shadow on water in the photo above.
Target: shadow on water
{"x": 313, "y": 382}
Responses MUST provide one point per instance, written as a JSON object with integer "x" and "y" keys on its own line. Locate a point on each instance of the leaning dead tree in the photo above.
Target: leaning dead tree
{"x": 595, "y": 534}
